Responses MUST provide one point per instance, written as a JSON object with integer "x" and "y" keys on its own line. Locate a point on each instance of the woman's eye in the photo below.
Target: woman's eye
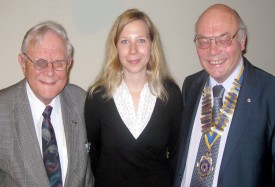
{"x": 141, "y": 41}
{"x": 124, "y": 41}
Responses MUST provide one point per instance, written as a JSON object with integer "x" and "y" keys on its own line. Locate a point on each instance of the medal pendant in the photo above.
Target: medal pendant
{"x": 205, "y": 166}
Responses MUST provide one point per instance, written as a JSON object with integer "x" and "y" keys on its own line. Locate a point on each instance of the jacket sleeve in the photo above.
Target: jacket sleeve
{"x": 93, "y": 128}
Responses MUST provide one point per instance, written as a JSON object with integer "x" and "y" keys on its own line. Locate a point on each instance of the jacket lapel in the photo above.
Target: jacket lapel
{"x": 27, "y": 139}
{"x": 192, "y": 100}
{"x": 242, "y": 112}
{"x": 70, "y": 120}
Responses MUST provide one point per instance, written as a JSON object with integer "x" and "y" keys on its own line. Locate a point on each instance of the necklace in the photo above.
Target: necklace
{"x": 212, "y": 131}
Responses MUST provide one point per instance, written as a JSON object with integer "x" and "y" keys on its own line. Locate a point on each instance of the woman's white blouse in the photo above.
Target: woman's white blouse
{"x": 135, "y": 122}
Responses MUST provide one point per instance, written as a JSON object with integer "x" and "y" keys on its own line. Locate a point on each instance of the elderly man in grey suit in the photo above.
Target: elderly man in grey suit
{"x": 42, "y": 133}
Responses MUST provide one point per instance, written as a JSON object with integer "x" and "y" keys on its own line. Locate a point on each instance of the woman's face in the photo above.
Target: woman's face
{"x": 134, "y": 48}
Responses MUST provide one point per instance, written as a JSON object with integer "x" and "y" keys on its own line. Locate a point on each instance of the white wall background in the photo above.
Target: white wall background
{"x": 88, "y": 22}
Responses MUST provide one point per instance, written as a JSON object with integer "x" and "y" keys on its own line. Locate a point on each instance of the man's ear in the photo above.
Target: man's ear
{"x": 22, "y": 62}
{"x": 243, "y": 42}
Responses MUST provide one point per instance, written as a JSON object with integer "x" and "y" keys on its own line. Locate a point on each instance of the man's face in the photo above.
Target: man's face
{"x": 218, "y": 61}
{"x": 47, "y": 83}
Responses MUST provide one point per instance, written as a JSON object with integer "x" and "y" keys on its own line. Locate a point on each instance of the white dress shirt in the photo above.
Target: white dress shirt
{"x": 37, "y": 108}
{"x": 196, "y": 132}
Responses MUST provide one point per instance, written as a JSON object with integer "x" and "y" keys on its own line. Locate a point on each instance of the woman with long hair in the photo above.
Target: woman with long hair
{"x": 133, "y": 108}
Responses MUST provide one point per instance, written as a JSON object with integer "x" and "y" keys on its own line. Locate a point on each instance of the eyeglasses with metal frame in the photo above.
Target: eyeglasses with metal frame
{"x": 42, "y": 64}
{"x": 224, "y": 40}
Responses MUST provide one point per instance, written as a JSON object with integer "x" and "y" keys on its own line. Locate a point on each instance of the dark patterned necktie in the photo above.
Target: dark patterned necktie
{"x": 218, "y": 92}
{"x": 207, "y": 181}
{"x": 50, "y": 150}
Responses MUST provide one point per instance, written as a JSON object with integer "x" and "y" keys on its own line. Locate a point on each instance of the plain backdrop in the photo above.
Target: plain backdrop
{"x": 88, "y": 22}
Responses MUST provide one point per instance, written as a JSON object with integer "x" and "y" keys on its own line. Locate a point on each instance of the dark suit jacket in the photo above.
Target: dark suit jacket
{"x": 249, "y": 155}
{"x": 21, "y": 162}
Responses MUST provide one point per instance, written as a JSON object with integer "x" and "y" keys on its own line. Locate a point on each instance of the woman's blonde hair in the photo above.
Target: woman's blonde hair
{"x": 110, "y": 77}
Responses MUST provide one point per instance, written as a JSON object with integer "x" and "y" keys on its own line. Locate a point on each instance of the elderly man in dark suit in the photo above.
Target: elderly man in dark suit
{"x": 228, "y": 134}
{"x": 42, "y": 132}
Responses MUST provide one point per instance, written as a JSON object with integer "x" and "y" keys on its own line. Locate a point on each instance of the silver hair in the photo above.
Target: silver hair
{"x": 36, "y": 34}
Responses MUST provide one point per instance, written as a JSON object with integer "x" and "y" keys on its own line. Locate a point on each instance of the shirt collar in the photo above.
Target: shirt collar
{"x": 37, "y": 107}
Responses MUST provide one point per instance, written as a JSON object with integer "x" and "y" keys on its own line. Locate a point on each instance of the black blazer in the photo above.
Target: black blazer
{"x": 249, "y": 155}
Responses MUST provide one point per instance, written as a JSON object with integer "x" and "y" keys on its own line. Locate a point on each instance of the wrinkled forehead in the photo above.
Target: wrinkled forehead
{"x": 218, "y": 19}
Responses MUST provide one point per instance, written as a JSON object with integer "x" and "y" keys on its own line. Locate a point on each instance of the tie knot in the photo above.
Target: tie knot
{"x": 218, "y": 91}
{"x": 47, "y": 111}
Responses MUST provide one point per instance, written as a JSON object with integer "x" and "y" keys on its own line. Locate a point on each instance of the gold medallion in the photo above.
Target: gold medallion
{"x": 205, "y": 165}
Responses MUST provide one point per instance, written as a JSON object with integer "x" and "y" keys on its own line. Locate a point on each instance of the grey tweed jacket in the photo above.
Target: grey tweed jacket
{"x": 21, "y": 161}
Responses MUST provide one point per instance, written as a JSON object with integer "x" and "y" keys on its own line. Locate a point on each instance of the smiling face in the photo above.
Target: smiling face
{"x": 48, "y": 83}
{"x": 219, "y": 62}
{"x": 134, "y": 48}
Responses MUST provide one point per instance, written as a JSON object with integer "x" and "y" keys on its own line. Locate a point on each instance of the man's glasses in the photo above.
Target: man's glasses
{"x": 221, "y": 41}
{"x": 41, "y": 64}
